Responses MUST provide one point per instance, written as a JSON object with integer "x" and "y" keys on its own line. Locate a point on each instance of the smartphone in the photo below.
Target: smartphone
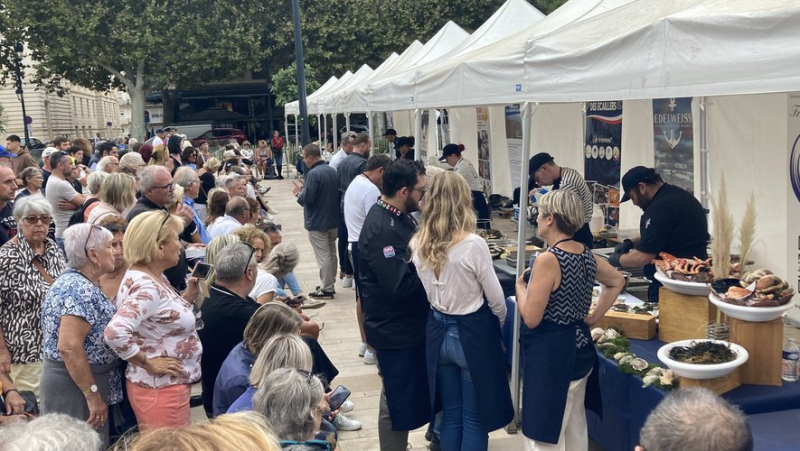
{"x": 338, "y": 397}
{"x": 202, "y": 270}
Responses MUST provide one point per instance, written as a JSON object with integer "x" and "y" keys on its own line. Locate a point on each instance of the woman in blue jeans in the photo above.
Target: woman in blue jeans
{"x": 466, "y": 365}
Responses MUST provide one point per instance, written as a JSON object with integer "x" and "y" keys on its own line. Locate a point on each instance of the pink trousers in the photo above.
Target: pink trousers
{"x": 166, "y": 407}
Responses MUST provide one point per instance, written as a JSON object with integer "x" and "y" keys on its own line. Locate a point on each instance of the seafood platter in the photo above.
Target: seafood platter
{"x": 760, "y": 296}
{"x": 702, "y": 359}
{"x": 689, "y": 276}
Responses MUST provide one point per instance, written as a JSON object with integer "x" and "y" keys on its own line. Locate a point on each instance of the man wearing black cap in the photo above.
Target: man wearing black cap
{"x": 545, "y": 172}
{"x": 402, "y": 146}
{"x": 391, "y": 137}
{"x": 673, "y": 222}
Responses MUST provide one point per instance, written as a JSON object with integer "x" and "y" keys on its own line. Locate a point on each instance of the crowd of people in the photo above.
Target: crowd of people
{"x": 107, "y": 318}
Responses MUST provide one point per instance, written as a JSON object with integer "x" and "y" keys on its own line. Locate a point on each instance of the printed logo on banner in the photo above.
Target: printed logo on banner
{"x": 673, "y": 136}
{"x": 603, "y": 156}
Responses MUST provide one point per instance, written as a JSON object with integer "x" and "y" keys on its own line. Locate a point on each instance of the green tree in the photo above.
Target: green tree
{"x": 284, "y": 84}
{"x": 548, "y": 6}
{"x": 140, "y": 45}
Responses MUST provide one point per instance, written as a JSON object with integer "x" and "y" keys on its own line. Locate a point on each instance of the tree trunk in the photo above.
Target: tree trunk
{"x": 137, "y": 110}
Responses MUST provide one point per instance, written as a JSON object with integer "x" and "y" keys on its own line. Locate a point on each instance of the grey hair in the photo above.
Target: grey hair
{"x": 28, "y": 173}
{"x": 94, "y": 237}
{"x": 696, "y": 419}
{"x": 232, "y": 262}
{"x": 132, "y": 158}
{"x": 289, "y": 399}
{"x": 147, "y": 177}
{"x": 232, "y": 180}
{"x": 184, "y": 177}
{"x": 132, "y": 141}
{"x": 281, "y": 351}
{"x": 236, "y": 206}
{"x": 51, "y": 432}
{"x": 282, "y": 260}
{"x": 221, "y": 181}
{"x": 105, "y": 161}
{"x": 32, "y": 205}
{"x": 95, "y": 180}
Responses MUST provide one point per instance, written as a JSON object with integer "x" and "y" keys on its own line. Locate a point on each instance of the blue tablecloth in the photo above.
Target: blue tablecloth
{"x": 776, "y": 431}
{"x": 626, "y": 404}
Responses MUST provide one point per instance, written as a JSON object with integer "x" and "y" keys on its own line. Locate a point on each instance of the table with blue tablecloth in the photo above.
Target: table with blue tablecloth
{"x": 626, "y": 405}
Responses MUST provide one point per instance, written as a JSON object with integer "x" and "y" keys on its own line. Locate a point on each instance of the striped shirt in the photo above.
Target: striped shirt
{"x": 572, "y": 180}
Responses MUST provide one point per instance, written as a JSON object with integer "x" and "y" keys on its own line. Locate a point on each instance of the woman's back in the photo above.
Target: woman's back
{"x": 570, "y": 302}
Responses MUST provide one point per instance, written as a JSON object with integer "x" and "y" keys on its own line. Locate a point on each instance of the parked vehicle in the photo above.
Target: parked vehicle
{"x": 36, "y": 144}
{"x": 354, "y": 128}
{"x": 218, "y": 135}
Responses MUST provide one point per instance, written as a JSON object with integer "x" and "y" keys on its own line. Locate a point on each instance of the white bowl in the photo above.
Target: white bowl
{"x": 700, "y": 371}
{"x": 679, "y": 286}
{"x": 754, "y": 314}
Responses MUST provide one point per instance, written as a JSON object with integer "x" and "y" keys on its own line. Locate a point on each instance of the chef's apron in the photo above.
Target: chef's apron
{"x": 405, "y": 383}
{"x": 481, "y": 339}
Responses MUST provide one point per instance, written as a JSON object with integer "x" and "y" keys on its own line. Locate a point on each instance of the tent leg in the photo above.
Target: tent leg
{"x": 417, "y": 131}
{"x": 319, "y": 130}
{"x": 324, "y": 135}
{"x": 347, "y": 121}
{"x": 369, "y": 126}
{"x": 704, "y": 184}
{"x": 334, "y": 117}
{"x": 516, "y": 389}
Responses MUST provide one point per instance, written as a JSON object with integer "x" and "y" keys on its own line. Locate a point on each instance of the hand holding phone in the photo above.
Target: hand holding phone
{"x": 338, "y": 397}
{"x": 202, "y": 270}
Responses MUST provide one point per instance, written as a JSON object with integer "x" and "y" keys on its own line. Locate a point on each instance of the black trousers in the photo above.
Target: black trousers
{"x": 482, "y": 208}
{"x": 344, "y": 260}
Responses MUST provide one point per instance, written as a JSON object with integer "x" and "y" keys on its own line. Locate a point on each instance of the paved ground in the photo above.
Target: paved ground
{"x": 340, "y": 338}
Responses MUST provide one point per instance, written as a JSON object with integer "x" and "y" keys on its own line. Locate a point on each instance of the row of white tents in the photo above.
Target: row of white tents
{"x": 736, "y": 58}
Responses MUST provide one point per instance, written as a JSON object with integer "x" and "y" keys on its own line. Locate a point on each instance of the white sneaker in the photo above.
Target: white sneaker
{"x": 362, "y": 349}
{"x": 347, "y": 406}
{"x": 342, "y": 423}
{"x": 369, "y": 358}
{"x": 347, "y": 282}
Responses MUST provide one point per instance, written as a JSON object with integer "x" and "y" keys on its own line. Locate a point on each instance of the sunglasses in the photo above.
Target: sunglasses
{"x": 32, "y": 220}
{"x": 167, "y": 215}
{"x": 88, "y": 237}
{"x": 252, "y": 252}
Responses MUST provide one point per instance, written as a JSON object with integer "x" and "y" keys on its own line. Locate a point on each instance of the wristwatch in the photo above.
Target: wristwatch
{"x": 90, "y": 390}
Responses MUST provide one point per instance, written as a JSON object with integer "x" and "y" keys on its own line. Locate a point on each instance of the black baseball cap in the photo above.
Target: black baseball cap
{"x": 390, "y": 131}
{"x": 450, "y": 149}
{"x": 160, "y": 130}
{"x": 635, "y": 176}
{"x": 537, "y": 161}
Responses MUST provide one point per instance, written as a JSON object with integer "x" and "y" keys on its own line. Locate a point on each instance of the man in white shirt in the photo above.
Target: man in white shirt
{"x": 361, "y": 195}
{"x": 237, "y": 214}
{"x": 60, "y": 193}
{"x": 159, "y": 139}
{"x": 345, "y": 150}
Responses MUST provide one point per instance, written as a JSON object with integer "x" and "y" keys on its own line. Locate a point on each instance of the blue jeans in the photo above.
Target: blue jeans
{"x": 461, "y": 427}
{"x": 291, "y": 280}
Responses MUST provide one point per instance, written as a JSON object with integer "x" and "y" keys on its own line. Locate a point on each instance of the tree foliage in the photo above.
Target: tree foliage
{"x": 284, "y": 84}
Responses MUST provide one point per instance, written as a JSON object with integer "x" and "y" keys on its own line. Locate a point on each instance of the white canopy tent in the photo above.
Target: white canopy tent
{"x": 294, "y": 107}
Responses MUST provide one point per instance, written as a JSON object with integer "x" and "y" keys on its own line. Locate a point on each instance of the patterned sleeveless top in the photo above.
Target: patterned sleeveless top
{"x": 571, "y": 301}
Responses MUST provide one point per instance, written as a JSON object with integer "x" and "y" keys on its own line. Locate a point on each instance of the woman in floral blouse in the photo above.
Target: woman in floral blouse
{"x": 30, "y": 263}
{"x": 154, "y": 327}
{"x": 81, "y": 375}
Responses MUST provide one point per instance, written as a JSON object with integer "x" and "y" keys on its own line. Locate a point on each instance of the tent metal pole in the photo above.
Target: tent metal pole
{"x": 285, "y": 137}
{"x": 334, "y": 118}
{"x": 417, "y": 131}
{"x": 516, "y": 389}
{"x": 297, "y": 142}
{"x": 369, "y": 126}
{"x": 704, "y": 181}
{"x": 347, "y": 121}
{"x": 324, "y": 135}
{"x": 319, "y": 131}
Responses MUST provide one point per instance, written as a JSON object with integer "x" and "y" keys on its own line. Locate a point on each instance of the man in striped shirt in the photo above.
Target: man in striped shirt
{"x": 545, "y": 172}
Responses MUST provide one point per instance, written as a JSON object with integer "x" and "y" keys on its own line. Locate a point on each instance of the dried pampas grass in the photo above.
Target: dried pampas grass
{"x": 747, "y": 232}
{"x": 722, "y": 232}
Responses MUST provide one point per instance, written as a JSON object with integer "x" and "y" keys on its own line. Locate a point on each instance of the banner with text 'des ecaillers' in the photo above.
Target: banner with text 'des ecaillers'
{"x": 602, "y": 156}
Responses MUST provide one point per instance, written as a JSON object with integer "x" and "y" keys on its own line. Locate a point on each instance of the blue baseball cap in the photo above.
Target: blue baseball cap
{"x": 4, "y": 153}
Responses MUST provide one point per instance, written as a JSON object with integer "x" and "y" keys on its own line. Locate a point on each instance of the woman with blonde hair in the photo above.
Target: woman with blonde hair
{"x": 217, "y": 200}
{"x": 241, "y": 431}
{"x": 466, "y": 364}
{"x": 117, "y": 195}
{"x": 207, "y": 183}
{"x": 266, "y": 284}
{"x": 280, "y": 351}
{"x": 154, "y": 327}
{"x": 559, "y": 359}
{"x": 160, "y": 157}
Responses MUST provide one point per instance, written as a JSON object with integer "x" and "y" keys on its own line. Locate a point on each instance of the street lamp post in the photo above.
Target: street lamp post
{"x": 301, "y": 76}
{"x": 18, "y": 49}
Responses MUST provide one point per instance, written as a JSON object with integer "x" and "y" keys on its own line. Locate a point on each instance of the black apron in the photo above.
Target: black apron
{"x": 548, "y": 358}
{"x": 481, "y": 339}
{"x": 405, "y": 385}
{"x": 482, "y": 209}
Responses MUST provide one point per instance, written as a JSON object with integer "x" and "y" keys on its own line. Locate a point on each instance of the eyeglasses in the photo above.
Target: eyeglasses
{"x": 32, "y": 220}
{"x": 422, "y": 190}
{"x": 252, "y": 252}
{"x": 163, "y": 223}
{"x": 316, "y": 444}
{"x": 88, "y": 237}
{"x": 169, "y": 187}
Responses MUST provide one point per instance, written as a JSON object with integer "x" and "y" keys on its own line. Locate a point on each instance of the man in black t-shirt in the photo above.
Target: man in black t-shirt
{"x": 673, "y": 221}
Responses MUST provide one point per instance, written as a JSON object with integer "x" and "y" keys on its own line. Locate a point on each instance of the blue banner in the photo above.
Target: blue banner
{"x": 674, "y": 141}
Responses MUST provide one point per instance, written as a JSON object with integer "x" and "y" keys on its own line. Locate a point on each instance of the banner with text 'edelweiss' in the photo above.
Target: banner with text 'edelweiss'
{"x": 674, "y": 141}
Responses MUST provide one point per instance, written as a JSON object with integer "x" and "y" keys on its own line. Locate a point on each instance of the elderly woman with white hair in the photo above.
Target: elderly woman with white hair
{"x": 81, "y": 375}
{"x": 31, "y": 262}
{"x": 293, "y": 401}
{"x": 33, "y": 180}
{"x": 132, "y": 159}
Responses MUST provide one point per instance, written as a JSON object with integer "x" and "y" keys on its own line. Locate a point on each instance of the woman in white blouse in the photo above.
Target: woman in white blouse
{"x": 466, "y": 365}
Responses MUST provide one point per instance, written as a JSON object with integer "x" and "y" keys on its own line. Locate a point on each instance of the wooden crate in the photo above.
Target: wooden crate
{"x": 764, "y": 344}
{"x": 640, "y": 327}
{"x": 719, "y": 385}
{"x": 682, "y": 317}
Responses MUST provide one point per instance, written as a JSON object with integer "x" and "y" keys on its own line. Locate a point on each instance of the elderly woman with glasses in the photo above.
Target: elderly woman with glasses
{"x": 81, "y": 377}
{"x": 31, "y": 262}
{"x": 154, "y": 327}
{"x": 32, "y": 180}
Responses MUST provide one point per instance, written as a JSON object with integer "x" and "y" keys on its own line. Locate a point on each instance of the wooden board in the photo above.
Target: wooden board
{"x": 719, "y": 385}
{"x": 529, "y": 249}
{"x": 682, "y": 317}
{"x": 764, "y": 343}
{"x": 640, "y": 327}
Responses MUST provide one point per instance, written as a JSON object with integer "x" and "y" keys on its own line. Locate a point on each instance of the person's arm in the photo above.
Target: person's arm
{"x": 613, "y": 283}
{"x": 635, "y": 258}
{"x": 5, "y": 354}
{"x": 533, "y": 298}
{"x": 71, "y": 335}
{"x": 266, "y": 297}
{"x": 487, "y": 278}
{"x": 15, "y": 403}
{"x": 396, "y": 276}
{"x": 308, "y": 193}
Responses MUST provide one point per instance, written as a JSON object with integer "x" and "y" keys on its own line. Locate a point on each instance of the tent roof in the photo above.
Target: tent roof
{"x": 320, "y": 103}
{"x": 294, "y": 107}
{"x": 680, "y": 48}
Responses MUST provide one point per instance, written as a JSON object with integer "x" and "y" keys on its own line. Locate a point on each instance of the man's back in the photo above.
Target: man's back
{"x": 57, "y": 190}
{"x": 320, "y": 198}
{"x": 349, "y": 168}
